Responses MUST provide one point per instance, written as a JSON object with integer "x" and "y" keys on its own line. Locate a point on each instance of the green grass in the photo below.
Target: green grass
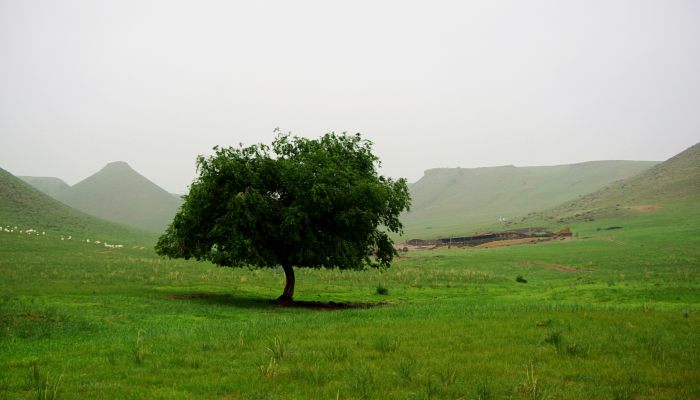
{"x": 78, "y": 321}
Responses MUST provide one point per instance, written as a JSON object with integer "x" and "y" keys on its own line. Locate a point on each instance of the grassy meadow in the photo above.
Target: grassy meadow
{"x": 609, "y": 314}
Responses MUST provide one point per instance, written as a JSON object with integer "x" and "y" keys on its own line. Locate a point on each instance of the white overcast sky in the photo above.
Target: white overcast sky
{"x": 432, "y": 84}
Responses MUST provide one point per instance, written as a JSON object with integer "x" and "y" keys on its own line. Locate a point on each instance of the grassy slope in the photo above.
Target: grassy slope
{"x": 459, "y": 325}
{"x": 675, "y": 183}
{"x": 24, "y": 206}
{"x": 459, "y": 201}
{"x": 51, "y": 186}
{"x": 118, "y": 193}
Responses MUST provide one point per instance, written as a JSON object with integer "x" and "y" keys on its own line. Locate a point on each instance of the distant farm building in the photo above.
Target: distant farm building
{"x": 487, "y": 237}
{"x": 480, "y": 238}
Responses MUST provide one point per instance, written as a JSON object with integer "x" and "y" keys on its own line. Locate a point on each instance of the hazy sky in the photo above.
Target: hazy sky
{"x": 432, "y": 84}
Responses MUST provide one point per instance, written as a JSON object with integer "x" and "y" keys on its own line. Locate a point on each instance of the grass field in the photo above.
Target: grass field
{"x": 611, "y": 314}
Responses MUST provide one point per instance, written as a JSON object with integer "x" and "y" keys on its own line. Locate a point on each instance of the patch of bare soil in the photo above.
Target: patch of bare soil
{"x": 557, "y": 267}
{"x": 513, "y": 242}
{"x": 644, "y": 208}
{"x": 410, "y": 247}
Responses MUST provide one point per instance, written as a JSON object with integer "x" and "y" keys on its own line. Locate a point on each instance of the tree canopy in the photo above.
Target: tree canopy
{"x": 317, "y": 203}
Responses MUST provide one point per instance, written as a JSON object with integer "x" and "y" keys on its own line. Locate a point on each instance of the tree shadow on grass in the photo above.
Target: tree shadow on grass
{"x": 331, "y": 305}
{"x": 262, "y": 303}
{"x": 238, "y": 301}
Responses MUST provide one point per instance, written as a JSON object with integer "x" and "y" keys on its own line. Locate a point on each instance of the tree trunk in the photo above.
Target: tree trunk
{"x": 288, "y": 294}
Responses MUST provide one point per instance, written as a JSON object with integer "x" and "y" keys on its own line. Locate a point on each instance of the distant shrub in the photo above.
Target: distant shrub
{"x": 387, "y": 344}
{"x": 44, "y": 387}
{"x": 405, "y": 369}
{"x": 448, "y": 376}
{"x": 520, "y": 279}
{"x": 269, "y": 371}
{"x": 382, "y": 290}
{"x": 139, "y": 350}
{"x": 483, "y": 391}
{"x": 337, "y": 353}
{"x": 554, "y": 338}
{"x": 363, "y": 383}
{"x": 545, "y": 323}
{"x": 577, "y": 350}
{"x": 530, "y": 386}
{"x": 278, "y": 348}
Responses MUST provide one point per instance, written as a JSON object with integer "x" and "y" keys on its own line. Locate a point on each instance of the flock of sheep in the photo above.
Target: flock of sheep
{"x": 34, "y": 232}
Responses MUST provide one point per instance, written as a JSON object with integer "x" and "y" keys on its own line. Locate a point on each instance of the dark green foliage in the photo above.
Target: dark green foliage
{"x": 300, "y": 202}
{"x": 382, "y": 290}
{"x": 46, "y": 387}
{"x": 554, "y": 338}
{"x": 483, "y": 390}
{"x": 520, "y": 279}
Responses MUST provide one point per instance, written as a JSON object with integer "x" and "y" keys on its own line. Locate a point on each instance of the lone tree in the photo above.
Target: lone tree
{"x": 298, "y": 203}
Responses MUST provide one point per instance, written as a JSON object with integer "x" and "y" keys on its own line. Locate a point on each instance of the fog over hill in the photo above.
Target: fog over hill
{"x": 26, "y": 207}
{"x": 446, "y": 201}
{"x": 49, "y": 185}
{"x": 120, "y": 194}
{"x": 455, "y": 201}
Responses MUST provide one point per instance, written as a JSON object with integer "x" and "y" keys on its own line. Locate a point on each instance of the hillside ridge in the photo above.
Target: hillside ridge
{"x": 47, "y": 184}
{"x": 26, "y": 207}
{"x": 450, "y": 201}
{"x": 674, "y": 180}
{"x": 119, "y": 193}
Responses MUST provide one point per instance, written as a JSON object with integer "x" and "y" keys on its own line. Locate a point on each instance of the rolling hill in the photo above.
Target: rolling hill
{"x": 49, "y": 185}
{"x": 118, "y": 193}
{"x": 24, "y": 206}
{"x": 449, "y": 201}
{"x": 675, "y": 183}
